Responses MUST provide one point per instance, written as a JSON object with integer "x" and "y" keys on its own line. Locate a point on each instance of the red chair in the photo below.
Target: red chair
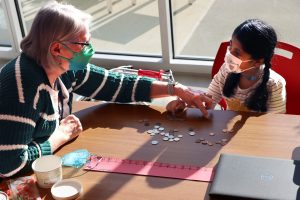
{"x": 288, "y": 68}
{"x": 219, "y": 60}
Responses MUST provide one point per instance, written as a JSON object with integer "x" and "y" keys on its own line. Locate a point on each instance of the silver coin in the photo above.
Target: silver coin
{"x": 152, "y": 134}
{"x": 156, "y": 126}
{"x": 171, "y": 136}
{"x": 211, "y": 134}
{"x": 224, "y": 130}
{"x": 165, "y": 138}
{"x": 167, "y": 134}
{"x": 192, "y": 133}
{"x": 171, "y": 139}
{"x": 162, "y": 133}
{"x": 154, "y": 142}
{"x": 161, "y": 128}
{"x": 180, "y": 136}
{"x": 176, "y": 139}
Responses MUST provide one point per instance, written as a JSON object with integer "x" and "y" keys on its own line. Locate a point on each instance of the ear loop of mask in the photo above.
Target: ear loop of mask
{"x": 70, "y": 50}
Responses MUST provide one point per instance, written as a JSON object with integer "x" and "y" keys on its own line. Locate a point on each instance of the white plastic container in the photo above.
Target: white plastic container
{"x": 66, "y": 189}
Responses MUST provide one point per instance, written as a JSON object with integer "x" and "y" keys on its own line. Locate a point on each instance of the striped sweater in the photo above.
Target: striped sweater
{"x": 276, "y": 88}
{"x": 30, "y": 108}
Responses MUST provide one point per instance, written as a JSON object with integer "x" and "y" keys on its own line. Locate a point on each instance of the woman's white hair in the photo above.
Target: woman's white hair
{"x": 54, "y": 22}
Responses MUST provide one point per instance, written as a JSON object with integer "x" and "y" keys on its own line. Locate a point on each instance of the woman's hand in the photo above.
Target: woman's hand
{"x": 69, "y": 128}
{"x": 194, "y": 98}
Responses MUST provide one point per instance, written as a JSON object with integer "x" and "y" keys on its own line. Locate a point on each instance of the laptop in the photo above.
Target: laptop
{"x": 245, "y": 177}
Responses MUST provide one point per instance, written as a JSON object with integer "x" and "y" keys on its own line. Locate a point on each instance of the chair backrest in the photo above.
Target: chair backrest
{"x": 287, "y": 67}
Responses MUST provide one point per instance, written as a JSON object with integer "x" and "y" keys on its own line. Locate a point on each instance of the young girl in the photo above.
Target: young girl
{"x": 245, "y": 79}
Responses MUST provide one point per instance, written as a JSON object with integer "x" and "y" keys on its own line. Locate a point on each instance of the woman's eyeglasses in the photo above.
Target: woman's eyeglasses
{"x": 81, "y": 43}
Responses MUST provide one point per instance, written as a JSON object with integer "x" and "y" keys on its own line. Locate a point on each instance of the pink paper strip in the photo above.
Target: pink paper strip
{"x": 140, "y": 167}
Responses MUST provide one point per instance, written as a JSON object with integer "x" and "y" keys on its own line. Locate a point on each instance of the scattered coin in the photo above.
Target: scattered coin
{"x": 224, "y": 140}
{"x": 192, "y": 133}
{"x": 156, "y": 127}
{"x": 204, "y": 142}
{"x": 211, "y": 134}
{"x": 162, "y": 133}
{"x": 224, "y": 130}
{"x": 176, "y": 139}
{"x": 180, "y": 136}
{"x": 171, "y": 136}
{"x": 165, "y": 138}
{"x": 161, "y": 128}
{"x": 171, "y": 139}
{"x": 210, "y": 143}
{"x": 154, "y": 142}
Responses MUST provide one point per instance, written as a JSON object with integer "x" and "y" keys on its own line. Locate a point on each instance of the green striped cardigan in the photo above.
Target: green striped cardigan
{"x": 28, "y": 114}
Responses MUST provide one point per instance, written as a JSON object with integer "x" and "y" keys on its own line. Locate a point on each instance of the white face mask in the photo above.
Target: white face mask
{"x": 233, "y": 63}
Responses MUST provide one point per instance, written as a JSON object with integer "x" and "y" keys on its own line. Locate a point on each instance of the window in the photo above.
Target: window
{"x": 125, "y": 27}
{"x": 200, "y": 26}
{"x": 4, "y": 33}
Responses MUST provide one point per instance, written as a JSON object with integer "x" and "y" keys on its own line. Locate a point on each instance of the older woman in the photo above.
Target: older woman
{"x": 36, "y": 88}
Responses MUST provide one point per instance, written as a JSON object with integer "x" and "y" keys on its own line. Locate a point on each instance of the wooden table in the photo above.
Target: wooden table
{"x": 115, "y": 131}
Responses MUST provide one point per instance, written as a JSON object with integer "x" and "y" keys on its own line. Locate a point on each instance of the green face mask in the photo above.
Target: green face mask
{"x": 80, "y": 59}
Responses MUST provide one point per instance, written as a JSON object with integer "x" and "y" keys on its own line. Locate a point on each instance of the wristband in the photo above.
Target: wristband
{"x": 171, "y": 86}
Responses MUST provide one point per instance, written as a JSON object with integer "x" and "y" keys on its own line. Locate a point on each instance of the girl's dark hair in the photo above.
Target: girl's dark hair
{"x": 259, "y": 40}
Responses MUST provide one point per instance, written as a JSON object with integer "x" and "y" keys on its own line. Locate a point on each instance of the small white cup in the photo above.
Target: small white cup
{"x": 48, "y": 170}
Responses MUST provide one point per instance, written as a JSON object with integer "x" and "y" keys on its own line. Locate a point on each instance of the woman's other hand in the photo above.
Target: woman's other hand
{"x": 69, "y": 128}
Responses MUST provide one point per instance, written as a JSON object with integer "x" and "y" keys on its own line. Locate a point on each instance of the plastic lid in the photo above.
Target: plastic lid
{"x": 66, "y": 189}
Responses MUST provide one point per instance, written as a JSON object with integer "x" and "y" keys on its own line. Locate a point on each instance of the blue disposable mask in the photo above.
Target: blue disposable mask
{"x": 80, "y": 59}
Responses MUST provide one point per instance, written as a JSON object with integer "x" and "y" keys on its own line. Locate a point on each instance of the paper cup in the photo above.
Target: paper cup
{"x": 48, "y": 170}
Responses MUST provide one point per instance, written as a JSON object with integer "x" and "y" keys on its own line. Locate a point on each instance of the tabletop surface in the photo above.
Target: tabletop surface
{"x": 118, "y": 130}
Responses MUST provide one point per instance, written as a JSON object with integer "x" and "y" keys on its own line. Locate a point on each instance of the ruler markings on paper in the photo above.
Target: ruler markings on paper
{"x": 146, "y": 168}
